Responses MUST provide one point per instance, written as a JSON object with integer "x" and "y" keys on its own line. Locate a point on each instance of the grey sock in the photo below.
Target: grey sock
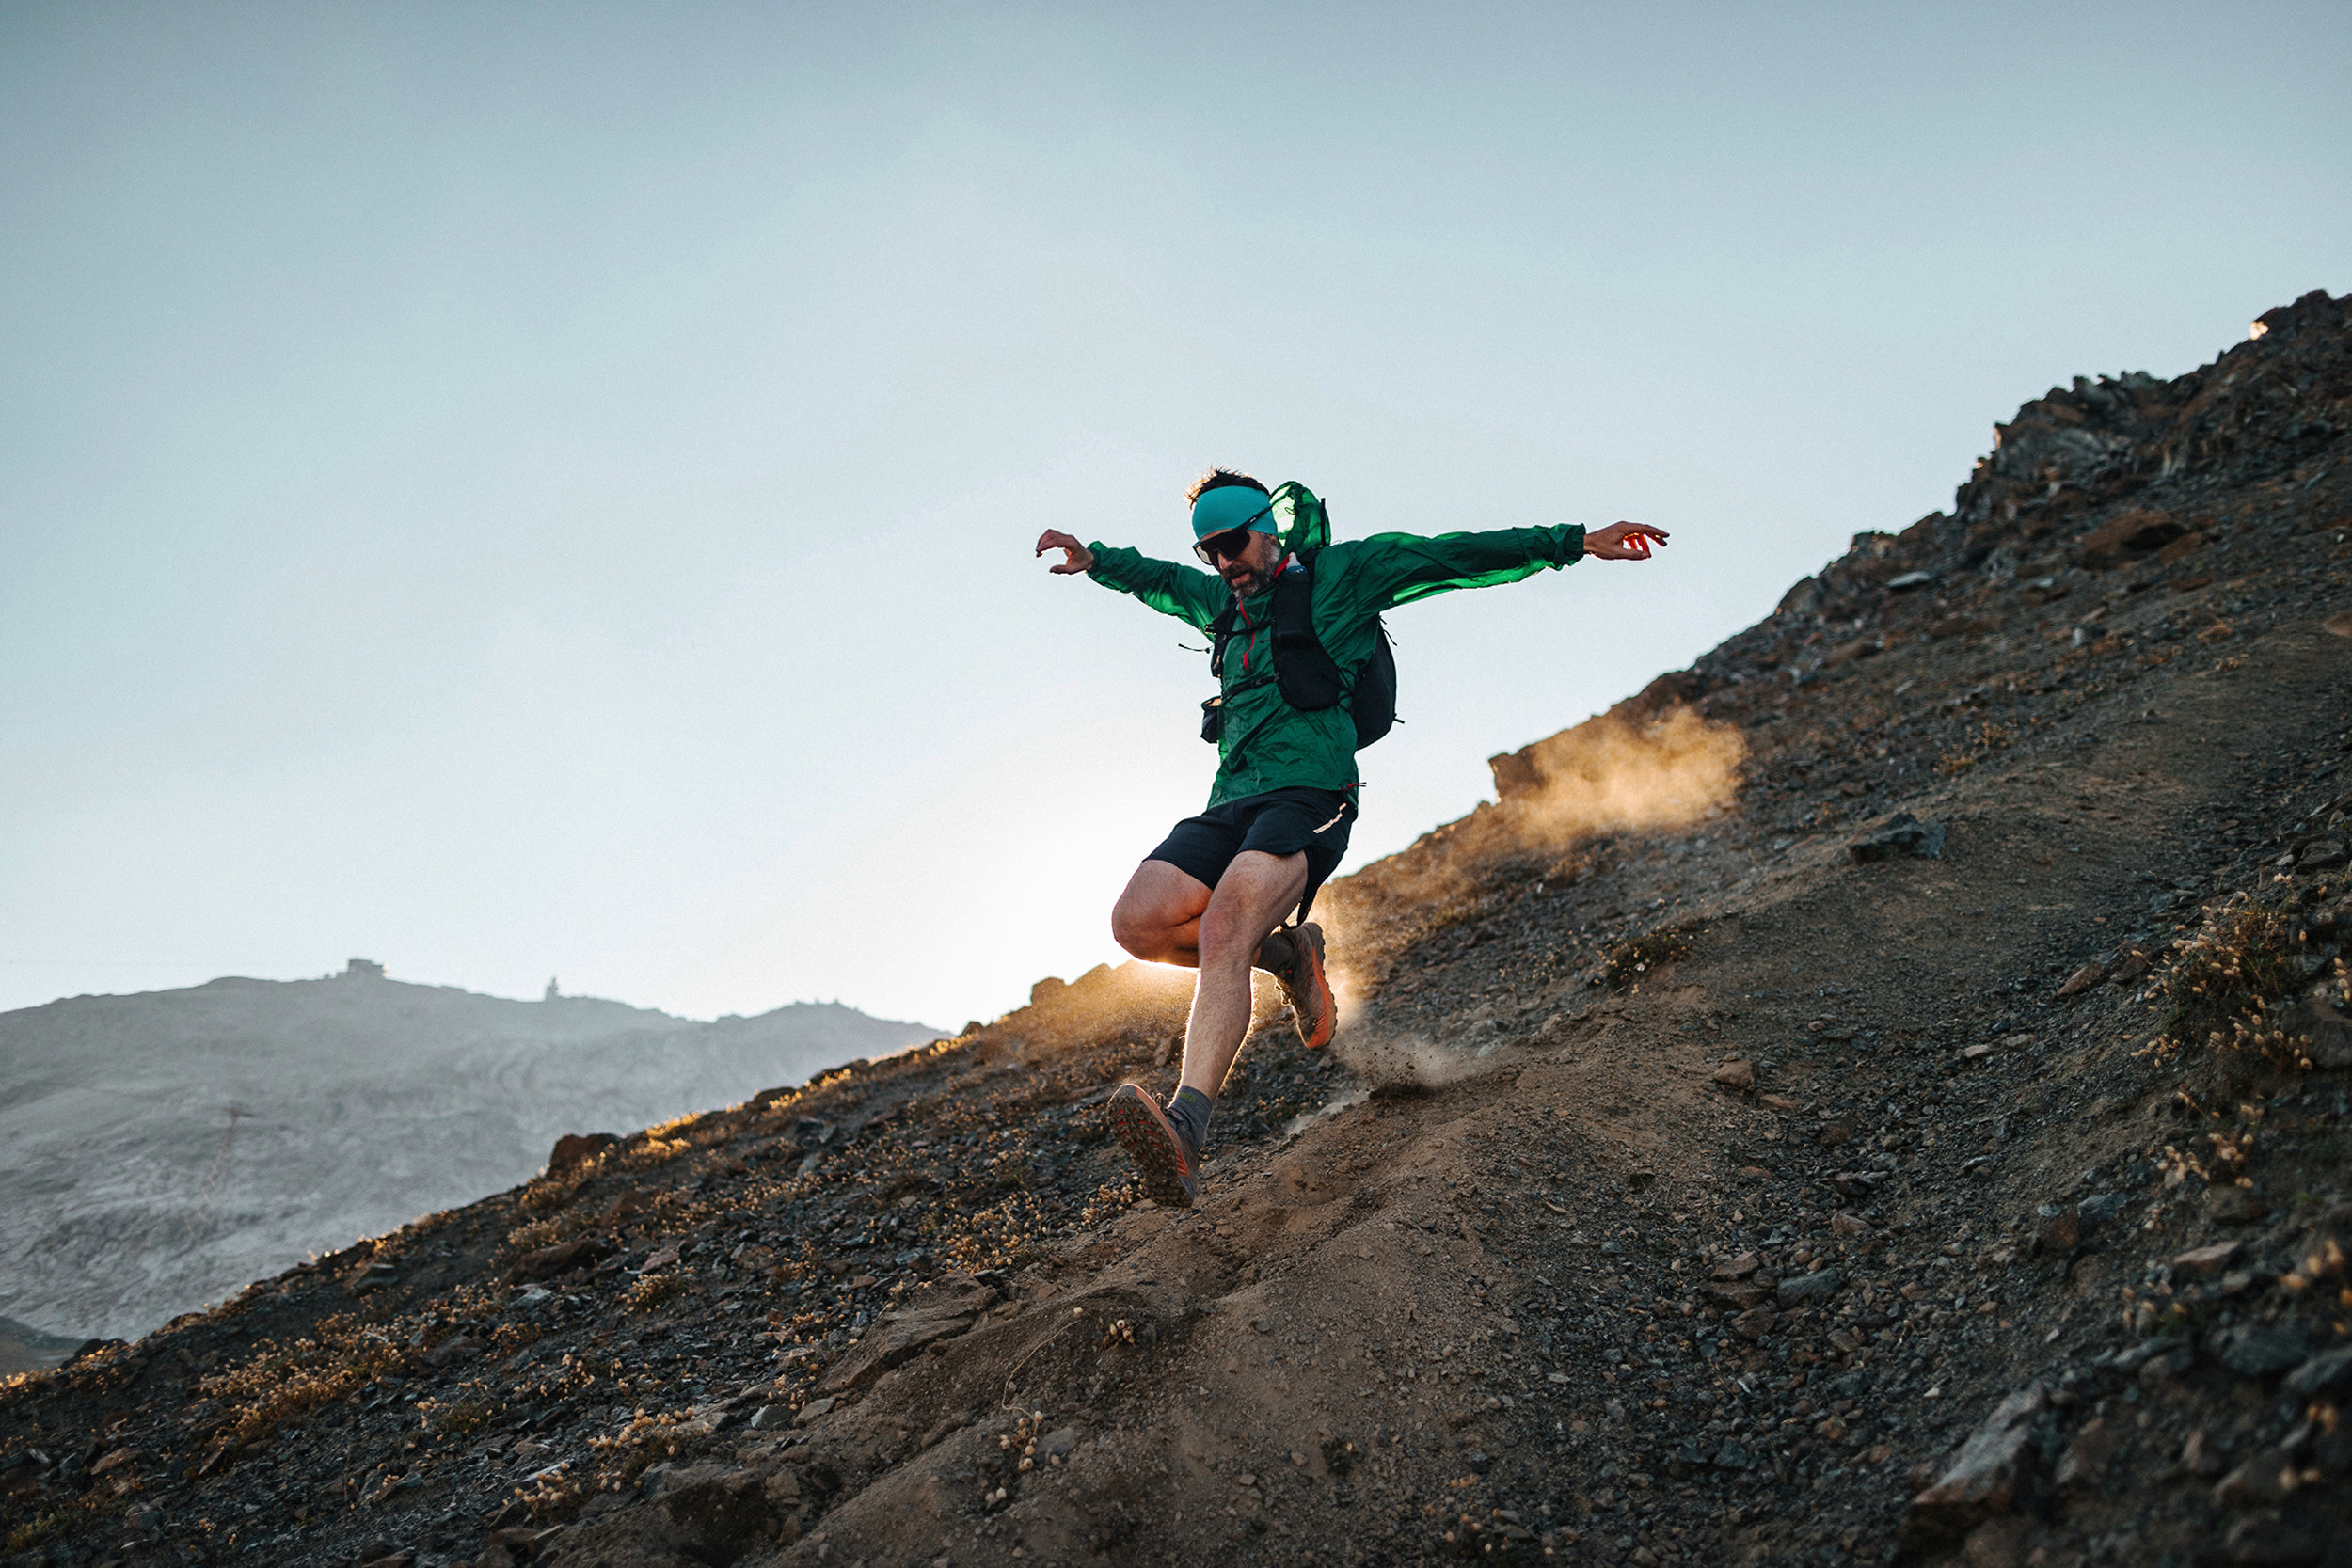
{"x": 1190, "y": 1110}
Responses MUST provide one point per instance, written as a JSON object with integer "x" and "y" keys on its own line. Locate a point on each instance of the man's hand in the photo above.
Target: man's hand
{"x": 1621, "y": 541}
{"x": 1075, "y": 557}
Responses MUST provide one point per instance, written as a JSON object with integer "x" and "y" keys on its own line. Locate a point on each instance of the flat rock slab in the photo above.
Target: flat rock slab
{"x": 1898, "y": 836}
{"x": 948, "y": 1310}
{"x": 1805, "y": 1288}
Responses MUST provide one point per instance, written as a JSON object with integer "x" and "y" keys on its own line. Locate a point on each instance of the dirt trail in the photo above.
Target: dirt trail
{"x": 1683, "y": 1192}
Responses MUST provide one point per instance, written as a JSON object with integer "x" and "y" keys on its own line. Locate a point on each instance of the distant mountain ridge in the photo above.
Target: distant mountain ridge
{"x": 158, "y": 1151}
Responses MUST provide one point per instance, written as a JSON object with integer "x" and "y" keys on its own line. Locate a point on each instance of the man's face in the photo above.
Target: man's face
{"x": 1253, "y": 569}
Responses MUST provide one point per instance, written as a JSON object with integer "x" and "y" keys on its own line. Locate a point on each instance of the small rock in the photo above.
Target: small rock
{"x": 2057, "y": 1227}
{"x": 2261, "y": 1350}
{"x": 1975, "y": 1053}
{"x": 575, "y": 1149}
{"x": 2084, "y": 978}
{"x": 1739, "y": 1267}
{"x": 550, "y": 1262}
{"x": 2264, "y": 1480}
{"x": 1900, "y": 834}
{"x": 2099, "y": 1207}
{"x": 2324, "y": 855}
{"x": 1755, "y": 1323}
{"x": 2234, "y": 1205}
{"x": 1803, "y": 1288}
{"x": 1058, "y": 1444}
{"x": 2266, "y": 1538}
{"x": 2206, "y": 1263}
{"x": 2330, "y": 1031}
{"x": 1740, "y": 1075}
{"x": 815, "y": 1409}
{"x": 1843, "y": 1224}
{"x": 2198, "y": 1457}
{"x": 2085, "y": 1462}
{"x": 2328, "y": 1374}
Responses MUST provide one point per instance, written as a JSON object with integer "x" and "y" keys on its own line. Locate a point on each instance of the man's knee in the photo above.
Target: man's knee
{"x": 1143, "y": 938}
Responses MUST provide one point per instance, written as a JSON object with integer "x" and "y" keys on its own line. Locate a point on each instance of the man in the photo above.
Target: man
{"x": 1213, "y": 895}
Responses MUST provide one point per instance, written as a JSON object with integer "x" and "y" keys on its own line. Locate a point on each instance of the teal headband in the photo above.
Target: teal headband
{"x": 1231, "y": 506}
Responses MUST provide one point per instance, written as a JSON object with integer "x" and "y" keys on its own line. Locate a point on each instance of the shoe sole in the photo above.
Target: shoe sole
{"x": 1152, "y": 1141}
{"x": 1308, "y": 938}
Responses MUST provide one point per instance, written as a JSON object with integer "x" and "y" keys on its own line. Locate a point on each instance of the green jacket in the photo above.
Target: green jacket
{"x": 1270, "y": 744}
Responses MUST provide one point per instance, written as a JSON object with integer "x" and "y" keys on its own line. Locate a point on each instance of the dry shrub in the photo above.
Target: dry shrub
{"x": 653, "y": 1290}
{"x": 2220, "y": 981}
{"x": 457, "y": 1417}
{"x": 1630, "y": 960}
{"x": 283, "y": 1382}
{"x": 624, "y": 1455}
{"x": 1976, "y": 745}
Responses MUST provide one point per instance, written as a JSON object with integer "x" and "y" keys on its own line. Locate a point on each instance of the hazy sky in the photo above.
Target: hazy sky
{"x": 525, "y": 489}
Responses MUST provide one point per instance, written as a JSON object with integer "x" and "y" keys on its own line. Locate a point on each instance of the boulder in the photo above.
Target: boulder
{"x": 549, "y": 1262}
{"x": 575, "y": 1149}
{"x": 1996, "y": 1463}
{"x": 2128, "y": 537}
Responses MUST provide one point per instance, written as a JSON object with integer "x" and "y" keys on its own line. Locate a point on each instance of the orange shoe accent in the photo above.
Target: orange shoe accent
{"x": 1317, "y": 1014}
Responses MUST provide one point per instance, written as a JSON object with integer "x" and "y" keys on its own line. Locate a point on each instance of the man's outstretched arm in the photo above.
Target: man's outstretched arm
{"x": 1190, "y": 594}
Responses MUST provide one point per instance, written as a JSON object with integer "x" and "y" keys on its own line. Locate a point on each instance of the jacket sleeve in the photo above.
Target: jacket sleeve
{"x": 1389, "y": 569}
{"x": 1192, "y": 596}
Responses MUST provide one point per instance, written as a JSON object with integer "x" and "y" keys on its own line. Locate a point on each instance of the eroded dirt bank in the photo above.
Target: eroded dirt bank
{"x": 1685, "y": 1189}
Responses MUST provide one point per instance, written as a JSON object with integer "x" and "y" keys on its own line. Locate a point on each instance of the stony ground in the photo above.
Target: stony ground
{"x": 1927, "y": 1145}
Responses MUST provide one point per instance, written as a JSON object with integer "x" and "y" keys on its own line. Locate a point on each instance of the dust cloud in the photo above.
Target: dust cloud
{"x": 1616, "y": 773}
{"x": 1609, "y": 775}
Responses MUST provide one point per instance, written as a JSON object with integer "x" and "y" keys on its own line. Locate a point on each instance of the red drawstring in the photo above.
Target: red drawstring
{"x": 1252, "y": 624}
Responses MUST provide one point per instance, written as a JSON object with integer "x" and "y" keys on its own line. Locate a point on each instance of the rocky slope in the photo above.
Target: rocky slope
{"x": 1878, "y": 1094}
{"x": 158, "y": 1151}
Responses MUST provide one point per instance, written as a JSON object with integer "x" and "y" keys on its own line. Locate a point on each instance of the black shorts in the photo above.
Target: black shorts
{"x": 1280, "y": 823}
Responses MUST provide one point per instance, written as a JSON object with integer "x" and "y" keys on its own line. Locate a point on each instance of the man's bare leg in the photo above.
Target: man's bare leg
{"x": 1252, "y": 898}
{"x": 1170, "y": 916}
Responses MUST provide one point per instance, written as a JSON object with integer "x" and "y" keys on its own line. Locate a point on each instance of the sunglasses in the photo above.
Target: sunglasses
{"x": 1228, "y": 544}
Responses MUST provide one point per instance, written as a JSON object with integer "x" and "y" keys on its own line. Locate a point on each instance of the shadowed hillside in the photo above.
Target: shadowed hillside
{"x": 157, "y": 1151}
{"x": 1878, "y": 1095}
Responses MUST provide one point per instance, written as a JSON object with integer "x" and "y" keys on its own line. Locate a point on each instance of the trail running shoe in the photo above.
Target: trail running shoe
{"x": 1309, "y": 994}
{"x": 1170, "y": 1173}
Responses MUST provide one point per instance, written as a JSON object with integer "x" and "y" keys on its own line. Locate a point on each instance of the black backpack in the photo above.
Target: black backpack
{"x": 1309, "y": 678}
